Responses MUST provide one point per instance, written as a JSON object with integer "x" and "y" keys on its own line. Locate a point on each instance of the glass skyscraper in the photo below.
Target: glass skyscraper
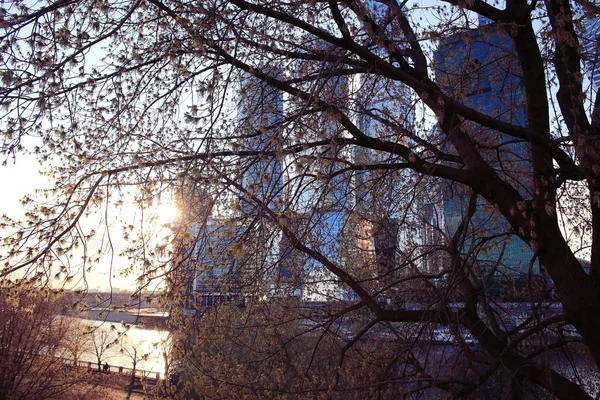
{"x": 591, "y": 51}
{"x": 260, "y": 114}
{"x": 225, "y": 247}
{"x": 318, "y": 195}
{"x": 218, "y": 271}
{"x": 386, "y": 206}
{"x": 479, "y": 67}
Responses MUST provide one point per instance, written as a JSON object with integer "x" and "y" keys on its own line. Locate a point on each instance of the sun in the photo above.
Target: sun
{"x": 166, "y": 213}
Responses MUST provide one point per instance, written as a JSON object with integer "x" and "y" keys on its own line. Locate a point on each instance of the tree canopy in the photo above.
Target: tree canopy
{"x": 312, "y": 133}
{"x": 35, "y": 342}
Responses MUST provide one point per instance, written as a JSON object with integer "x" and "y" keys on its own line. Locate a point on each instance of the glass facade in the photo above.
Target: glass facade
{"x": 260, "y": 112}
{"x": 216, "y": 269}
{"x": 591, "y": 51}
{"x": 479, "y": 67}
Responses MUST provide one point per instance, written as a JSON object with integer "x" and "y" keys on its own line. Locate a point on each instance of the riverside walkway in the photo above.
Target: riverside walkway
{"x": 143, "y": 382}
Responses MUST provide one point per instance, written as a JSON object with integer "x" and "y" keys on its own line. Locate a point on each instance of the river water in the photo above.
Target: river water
{"x": 122, "y": 344}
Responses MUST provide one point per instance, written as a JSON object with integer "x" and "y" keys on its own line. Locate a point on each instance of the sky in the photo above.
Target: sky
{"x": 20, "y": 177}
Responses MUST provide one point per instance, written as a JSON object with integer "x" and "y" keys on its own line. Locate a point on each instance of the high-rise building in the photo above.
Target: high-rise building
{"x": 318, "y": 193}
{"x": 387, "y": 207}
{"x": 479, "y": 67}
{"x": 228, "y": 245}
{"x": 590, "y": 39}
{"x": 260, "y": 115}
{"x": 218, "y": 273}
{"x": 387, "y": 203}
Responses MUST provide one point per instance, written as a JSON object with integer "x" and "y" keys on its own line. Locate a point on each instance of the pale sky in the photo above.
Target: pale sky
{"x": 21, "y": 177}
